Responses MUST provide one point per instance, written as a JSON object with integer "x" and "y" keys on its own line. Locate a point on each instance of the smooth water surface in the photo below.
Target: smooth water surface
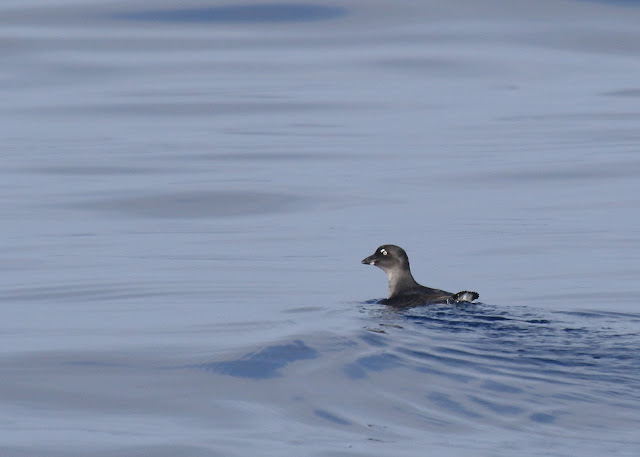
{"x": 187, "y": 189}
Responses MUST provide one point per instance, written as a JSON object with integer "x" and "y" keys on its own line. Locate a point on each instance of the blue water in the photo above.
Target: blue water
{"x": 187, "y": 190}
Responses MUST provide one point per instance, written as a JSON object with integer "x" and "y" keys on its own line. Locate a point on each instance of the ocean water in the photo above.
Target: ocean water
{"x": 187, "y": 190}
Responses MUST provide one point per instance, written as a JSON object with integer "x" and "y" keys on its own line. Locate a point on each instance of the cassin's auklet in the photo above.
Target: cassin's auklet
{"x": 404, "y": 291}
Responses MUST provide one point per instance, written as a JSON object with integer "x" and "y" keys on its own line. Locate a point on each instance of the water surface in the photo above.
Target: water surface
{"x": 188, "y": 189}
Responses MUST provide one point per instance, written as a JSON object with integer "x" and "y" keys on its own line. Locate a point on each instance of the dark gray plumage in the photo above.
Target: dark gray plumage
{"x": 404, "y": 291}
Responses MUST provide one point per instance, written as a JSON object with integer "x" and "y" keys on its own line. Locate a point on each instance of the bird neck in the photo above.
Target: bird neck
{"x": 400, "y": 280}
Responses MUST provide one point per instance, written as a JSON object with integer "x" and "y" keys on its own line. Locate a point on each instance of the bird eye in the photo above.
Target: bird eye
{"x": 383, "y": 251}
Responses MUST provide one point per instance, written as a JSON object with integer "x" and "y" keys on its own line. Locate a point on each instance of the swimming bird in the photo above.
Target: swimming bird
{"x": 404, "y": 291}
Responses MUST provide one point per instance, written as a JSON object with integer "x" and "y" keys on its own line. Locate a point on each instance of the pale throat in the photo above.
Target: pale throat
{"x": 399, "y": 279}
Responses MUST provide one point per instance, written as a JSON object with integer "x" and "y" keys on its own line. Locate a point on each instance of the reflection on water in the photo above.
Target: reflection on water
{"x": 266, "y": 363}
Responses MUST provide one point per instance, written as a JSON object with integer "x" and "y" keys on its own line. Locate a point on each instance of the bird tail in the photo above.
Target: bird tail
{"x": 464, "y": 296}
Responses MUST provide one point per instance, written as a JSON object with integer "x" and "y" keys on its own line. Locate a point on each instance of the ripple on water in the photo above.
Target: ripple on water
{"x": 197, "y": 204}
{"x": 234, "y": 14}
{"x": 536, "y": 367}
{"x": 265, "y": 363}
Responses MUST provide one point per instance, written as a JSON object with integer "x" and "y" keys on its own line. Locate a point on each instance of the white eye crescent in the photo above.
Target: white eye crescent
{"x": 383, "y": 251}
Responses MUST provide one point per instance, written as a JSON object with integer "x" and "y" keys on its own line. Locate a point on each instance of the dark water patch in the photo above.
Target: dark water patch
{"x": 326, "y": 415}
{"x": 187, "y": 108}
{"x": 500, "y": 387}
{"x": 266, "y": 13}
{"x": 303, "y": 309}
{"x": 629, "y": 3}
{"x": 575, "y": 330}
{"x": 81, "y": 291}
{"x": 165, "y": 450}
{"x": 498, "y": 408}
{"x": 434, "y": 67}
{"x": 298, "y": 130}
{"x": 599, "y": 315}
{"x": 94, "y": 364}
{"x": 197, "y": 204}
{"x": 263, "y": 364}
{"x": 114, "y": 450}
{"x": 265, "y": 156}
{"x": 354, "y": 371}
{"x": 470, "y": 318}
{"x": 623, "y": 92}
{"x": 542, "y": 418}
{"x": 91, "y": 170}
{"x": 376, "y": 330}
{"x": 444, "y": 402}
{"x": 607, "y": 171}
{"x": 611, "y": 116}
